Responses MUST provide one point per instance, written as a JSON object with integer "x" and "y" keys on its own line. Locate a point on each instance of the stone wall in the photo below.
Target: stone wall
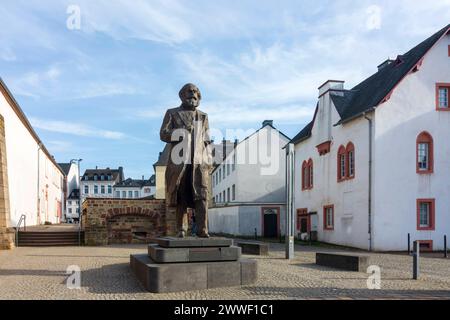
{"x": 112, "y": 221}
{"x": 6, "y": 232}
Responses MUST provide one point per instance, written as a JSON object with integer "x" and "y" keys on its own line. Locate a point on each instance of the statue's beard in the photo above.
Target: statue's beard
{"x": 191, "y": 103}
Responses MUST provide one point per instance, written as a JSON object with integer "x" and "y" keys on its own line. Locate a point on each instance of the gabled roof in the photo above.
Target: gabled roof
{"x": 114, "y": 173}
{"x": 377, "y": 88}
{"x": 74, "y": 195}
{"x": 266, "y": 123}
{"x": 305, "y": 133}
{"x": 65, "y": 167}
{"x": 136, "y": 183}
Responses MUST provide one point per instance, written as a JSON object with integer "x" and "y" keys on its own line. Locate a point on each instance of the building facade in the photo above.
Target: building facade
{"x": 73, "y": 206}
{"x": 373, "y": 165}
{"x": 35, "y": 181}
{"x": 248, "y": 187}
{"x": 99, "y": 183}
{"x": 135, "y": 189}
{"x": 71, "y": 188}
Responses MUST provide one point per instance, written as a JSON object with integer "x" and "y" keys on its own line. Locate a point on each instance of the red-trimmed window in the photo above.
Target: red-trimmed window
{"x": 328, "y": 217}
{"x": 307, "y": 175}
{"x": 341, "y": 164}
{"x": 350, "y": 150}
{"x": 311, "y": 174}
{"x": 425, "y": 214}
{"x": 424, "y": 153}
{"x": 443, "y": 96}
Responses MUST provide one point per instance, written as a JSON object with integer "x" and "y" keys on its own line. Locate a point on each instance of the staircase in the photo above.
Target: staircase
{"x": 49, "y": 239}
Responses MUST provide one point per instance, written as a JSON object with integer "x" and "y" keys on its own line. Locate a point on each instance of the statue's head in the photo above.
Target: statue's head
{"x": 190, "y": 96}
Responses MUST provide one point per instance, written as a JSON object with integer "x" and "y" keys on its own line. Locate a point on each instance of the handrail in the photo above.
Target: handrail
{"x": 23, "y": 218}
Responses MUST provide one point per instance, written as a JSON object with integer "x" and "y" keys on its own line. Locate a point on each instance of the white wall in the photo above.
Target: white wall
{"x": 98, "y": 183}
{"x": 73, "y": 181}
{"x": 23, "y": 161}
{"x": 127, "y": 190}
{"x": 350, "y": 197}
{"x": 252, "y": 184}
{"x": 242, "y": 220}
{"x": 411, "y": 110}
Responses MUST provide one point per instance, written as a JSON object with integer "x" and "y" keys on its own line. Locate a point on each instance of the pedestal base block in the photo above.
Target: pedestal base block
{"x": 178, "y": 277}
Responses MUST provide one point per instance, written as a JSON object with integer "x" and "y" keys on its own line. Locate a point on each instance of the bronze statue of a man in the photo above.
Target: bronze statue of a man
{"x": 186, "y": 130}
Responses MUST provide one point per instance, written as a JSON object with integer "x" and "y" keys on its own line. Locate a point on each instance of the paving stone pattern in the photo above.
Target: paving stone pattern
{"x": 40, "y": 273}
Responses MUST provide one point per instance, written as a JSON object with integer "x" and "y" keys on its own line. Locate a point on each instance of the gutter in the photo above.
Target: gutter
{"x": 369, "y": 204}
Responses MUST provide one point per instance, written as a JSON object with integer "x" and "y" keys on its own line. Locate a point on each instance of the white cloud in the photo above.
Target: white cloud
{"x": 75, "y": 129}
{"x": 156, "y": 21}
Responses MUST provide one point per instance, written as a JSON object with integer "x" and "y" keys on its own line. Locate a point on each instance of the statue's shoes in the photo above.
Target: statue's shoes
{"x": 203, "y": 235}
{"x": 182, "y": 234}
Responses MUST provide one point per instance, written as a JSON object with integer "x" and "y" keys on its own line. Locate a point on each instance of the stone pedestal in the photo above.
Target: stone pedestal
{"x": 174, "y": 265}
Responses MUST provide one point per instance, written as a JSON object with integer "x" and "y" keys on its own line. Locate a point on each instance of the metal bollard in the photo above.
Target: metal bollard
{"x": 256, "y": 234}
{"x": 416, "y": 255}
{"x": 445, "y": 246}
{"x": 409, "y": 244}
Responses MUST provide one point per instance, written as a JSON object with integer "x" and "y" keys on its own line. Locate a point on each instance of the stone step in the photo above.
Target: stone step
{"x": 49, "y": 239}
{"x": 58, "y": 244}
{"x": 193, "y": 254}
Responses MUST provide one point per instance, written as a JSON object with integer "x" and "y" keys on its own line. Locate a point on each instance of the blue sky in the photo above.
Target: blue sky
{"x": 100, "y": 92}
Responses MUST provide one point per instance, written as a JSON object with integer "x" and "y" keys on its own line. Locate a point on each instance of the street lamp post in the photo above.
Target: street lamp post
{"x": 78, "y": 161}
{"x": 79, "y": 199}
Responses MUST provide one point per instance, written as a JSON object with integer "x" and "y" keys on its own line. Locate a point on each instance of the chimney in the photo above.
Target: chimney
{"x": 121, "y": 177}
{"x": 96, "y": 167}
{"x": 331, "y": 85}
{"x": 236, "y": 142}
{"x": 267, "y": 123}
{"x": 143, "y": 178}
{"x": 385, "y": 64}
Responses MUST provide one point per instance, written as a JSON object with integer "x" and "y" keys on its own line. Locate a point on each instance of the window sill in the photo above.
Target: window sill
{"x": 425, "y": 172}
{"x": 443, "y": 109}
{"x": 346, "y": 179}
{"x": 426, "y": 229}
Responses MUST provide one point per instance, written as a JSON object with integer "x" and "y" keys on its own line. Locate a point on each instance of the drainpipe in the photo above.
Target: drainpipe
{"x": 370, "y": 181}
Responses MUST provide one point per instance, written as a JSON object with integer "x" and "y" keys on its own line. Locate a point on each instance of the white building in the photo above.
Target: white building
{"x": 71, "y": 189}
{"x": 73, "y": 206}
{"x": 374, "y": 163}
{"x": 34, "y": 186}
{"x": 99, "y": 183}
{"x": 248, "y": 188}
{"x": 135, "y": 189}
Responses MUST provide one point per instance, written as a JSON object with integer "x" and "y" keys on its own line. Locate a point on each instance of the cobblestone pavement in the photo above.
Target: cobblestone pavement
{"x": 39, "y": 273}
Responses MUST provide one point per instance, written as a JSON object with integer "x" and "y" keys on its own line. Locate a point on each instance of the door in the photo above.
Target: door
{"x": 304, "y": 225}
{"x": 270, "y": 220}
